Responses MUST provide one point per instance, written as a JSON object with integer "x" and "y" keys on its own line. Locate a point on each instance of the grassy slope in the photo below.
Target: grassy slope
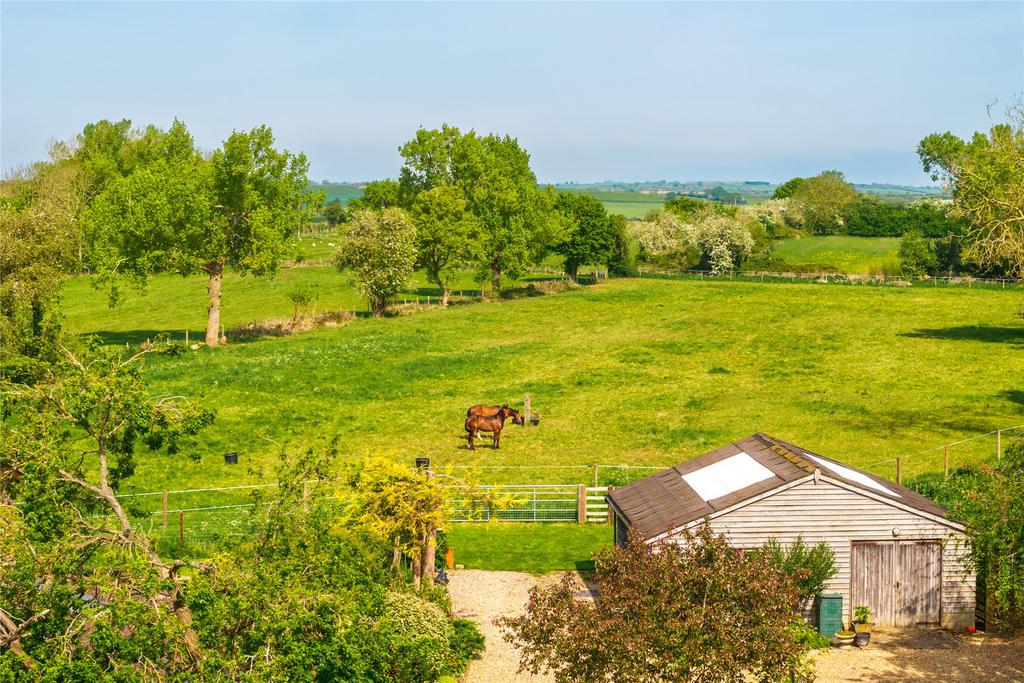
{"x": 639, "y": 372}
{"x": 847, "y": 254}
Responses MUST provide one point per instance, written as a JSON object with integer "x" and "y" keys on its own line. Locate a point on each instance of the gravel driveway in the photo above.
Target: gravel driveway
{"x": 483, "y": 596}
{"x": 925, "y": 656}
{"x": 892, "y": 657}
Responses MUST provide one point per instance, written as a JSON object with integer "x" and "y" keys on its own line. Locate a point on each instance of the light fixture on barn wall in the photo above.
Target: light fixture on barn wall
{"x": 895, "y": 531}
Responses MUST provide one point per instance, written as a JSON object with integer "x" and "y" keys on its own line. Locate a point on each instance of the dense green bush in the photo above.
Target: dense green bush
{"x": 420, "y": 634}
{"x": 811, "y": 566}
{"x": 467, "y": 643}
{"x": 917, "y": 255}
{"x": 626, "y": 250}
{"x": 989, "y": 500}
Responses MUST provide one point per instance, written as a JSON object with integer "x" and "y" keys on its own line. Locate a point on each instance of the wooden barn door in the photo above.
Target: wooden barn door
{"x": 901, "y": 581}
{"x": 920, "y": 583}
{"x": 873, "y": 580}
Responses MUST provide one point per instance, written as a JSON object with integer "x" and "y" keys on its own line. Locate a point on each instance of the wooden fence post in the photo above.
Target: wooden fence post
{"x": 581, "y": 504}
{"x": 611, "y": 512}
{"x": 526, "y": 409}
{"x": 449, "y": 557}
{"x": 430, "y": 549}
{"x": 999, "y": 444}
{"x": 945, "y": 461}
{"x": 165, "y": 509}
{"x": 899, "y": 471}
{"x": 181, "y": 528}
{"x": 595, "y": 474}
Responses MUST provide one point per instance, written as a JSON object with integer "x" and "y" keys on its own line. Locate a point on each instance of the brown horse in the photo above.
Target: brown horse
{"x": 490, "y": 411}
{"x": 490, "y": 423}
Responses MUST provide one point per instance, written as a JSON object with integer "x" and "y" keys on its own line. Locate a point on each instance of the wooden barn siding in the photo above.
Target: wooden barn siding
{"x": 838, "y": 516}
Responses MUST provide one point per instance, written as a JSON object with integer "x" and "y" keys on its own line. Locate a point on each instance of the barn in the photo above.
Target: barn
{"x": 896, "y": 551}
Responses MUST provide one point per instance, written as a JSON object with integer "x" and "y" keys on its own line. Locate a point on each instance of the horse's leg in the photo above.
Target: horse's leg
{"x": 469, "y": 438}
{"x": 497, "y": 437}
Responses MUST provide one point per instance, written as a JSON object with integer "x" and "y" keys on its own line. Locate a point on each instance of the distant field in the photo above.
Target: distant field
{"x": 340, "y": 191}
{"x": 860, "y": 255}
{"x": 629, "y": 204}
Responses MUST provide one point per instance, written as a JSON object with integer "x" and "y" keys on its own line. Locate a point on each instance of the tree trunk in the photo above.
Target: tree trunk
{"x": 429, "y": 557}
{"x": 396, "y": 556}
{"x": 496, "y": 278}
{"x": 574, "y": 272}
{"x": 417, "y": 568}
{"x": 215, "y": 269}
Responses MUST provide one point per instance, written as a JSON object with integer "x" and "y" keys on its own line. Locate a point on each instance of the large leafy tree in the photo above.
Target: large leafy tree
{"x": 591, "y": 235}
{"x": 697, "y": 611}
{"x": 788, "y": 188}
{"x": 334, "y": 212}
{"x": 986, "y": 174}
{"x": 823, "y": 201}
{"x": 378, "y": 194}
{"x": 380, "y": 250}
{"x": 445, "y": 234}
{"x": 516, "y": 218}
{"x": 187, "y": 214}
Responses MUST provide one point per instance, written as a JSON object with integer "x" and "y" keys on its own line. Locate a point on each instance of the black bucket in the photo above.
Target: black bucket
{"x": 535, "y": 420}
{"x": 231, "y": 458}
{"x": 861, "y": 639}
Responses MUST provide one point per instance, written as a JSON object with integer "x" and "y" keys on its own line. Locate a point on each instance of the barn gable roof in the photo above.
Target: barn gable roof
{"x": 732, "y": 474}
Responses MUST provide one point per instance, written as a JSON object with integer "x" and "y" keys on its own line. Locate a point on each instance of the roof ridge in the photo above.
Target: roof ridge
{"x": 776, "y": 447}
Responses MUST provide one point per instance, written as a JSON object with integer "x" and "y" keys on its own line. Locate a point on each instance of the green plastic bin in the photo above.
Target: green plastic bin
{"x": 830, "y": 614}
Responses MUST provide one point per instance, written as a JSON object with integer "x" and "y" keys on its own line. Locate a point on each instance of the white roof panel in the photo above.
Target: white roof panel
{"x": 852, "y": 475}
{"x": 727, "y": 476}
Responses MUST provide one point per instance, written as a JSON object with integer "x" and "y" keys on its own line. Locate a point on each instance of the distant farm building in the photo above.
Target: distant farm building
{"x": 896, "y": 551}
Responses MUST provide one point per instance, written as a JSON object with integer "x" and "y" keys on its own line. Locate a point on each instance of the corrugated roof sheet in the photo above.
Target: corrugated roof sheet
{"x": 664, "y": 501}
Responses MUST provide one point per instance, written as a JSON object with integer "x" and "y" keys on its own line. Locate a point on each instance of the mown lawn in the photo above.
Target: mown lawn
{"x": 527, "y": 547}
{"x": 861, "y": 255}
{"x": 639, "y": 372}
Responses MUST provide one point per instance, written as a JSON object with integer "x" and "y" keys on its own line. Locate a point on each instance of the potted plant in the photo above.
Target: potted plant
{"x": 862, "y": 619}
{"x": 844, "y": 638}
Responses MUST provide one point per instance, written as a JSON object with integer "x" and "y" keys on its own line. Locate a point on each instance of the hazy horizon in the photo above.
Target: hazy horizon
{"x": 750, "y": 91}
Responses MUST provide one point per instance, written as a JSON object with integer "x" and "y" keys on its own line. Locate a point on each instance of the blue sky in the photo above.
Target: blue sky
{"x": 681, "y": 91}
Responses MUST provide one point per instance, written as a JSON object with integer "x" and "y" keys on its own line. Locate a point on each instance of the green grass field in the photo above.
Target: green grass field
{"x": 629, "y": 204}
{"x": 862, "y": 255}
{"x": 642, "y": 372}
{"x": 340, "y": 191}
{"x": 526, "y": 547}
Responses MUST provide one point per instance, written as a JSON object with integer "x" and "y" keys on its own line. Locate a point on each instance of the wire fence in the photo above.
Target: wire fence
{"x": 834, "y": 278}
{"x": 210, "y": 517}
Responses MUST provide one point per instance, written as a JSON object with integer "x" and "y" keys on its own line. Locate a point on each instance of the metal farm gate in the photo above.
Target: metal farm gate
{"x": 531, "y": 503}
